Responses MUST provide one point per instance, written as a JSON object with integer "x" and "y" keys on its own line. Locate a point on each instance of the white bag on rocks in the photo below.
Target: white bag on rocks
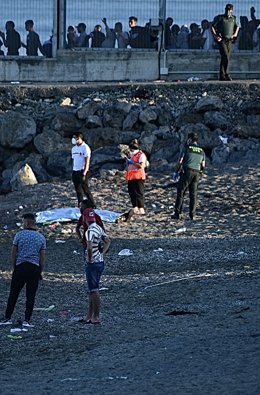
{"x": 24, "y": 176}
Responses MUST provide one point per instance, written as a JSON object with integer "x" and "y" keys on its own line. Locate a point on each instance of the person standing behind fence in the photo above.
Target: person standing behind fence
{"x": 12, "y": 40}
{"x": 97, "y": 37}
{"x": 81, "y": 40}
{"x": 114, "y": 36}
{"x": 139, "y": 37}
{"x": 225, "y": 30}
{"x": 33, "y": 43}
{"x": 81, "y": 154}
{"x": 28, "y": 259}
{"x": 207, "y": 37}
{"x": 71, "y": 36}
{"x": 122, "y": 38}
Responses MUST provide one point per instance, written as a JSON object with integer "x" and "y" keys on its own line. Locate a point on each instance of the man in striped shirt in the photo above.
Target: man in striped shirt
{"x": 97, "y": 244}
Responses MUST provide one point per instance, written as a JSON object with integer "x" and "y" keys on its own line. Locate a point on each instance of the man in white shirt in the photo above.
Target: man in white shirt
{"x": 81, "y": 154}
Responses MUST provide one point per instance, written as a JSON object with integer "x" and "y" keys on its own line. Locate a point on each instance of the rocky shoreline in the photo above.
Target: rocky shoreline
{"x": 180, "y": 315}
{"x": 36, "y": 125}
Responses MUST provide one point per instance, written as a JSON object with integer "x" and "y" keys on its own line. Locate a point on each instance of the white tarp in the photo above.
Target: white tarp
{"x": 71, "y": 214}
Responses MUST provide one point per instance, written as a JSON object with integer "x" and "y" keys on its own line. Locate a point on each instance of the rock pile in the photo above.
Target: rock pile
{"x": 36, "y": 126}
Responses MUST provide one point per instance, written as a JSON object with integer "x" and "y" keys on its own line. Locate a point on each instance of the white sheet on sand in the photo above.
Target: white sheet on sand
{"x": 71, "y": 214}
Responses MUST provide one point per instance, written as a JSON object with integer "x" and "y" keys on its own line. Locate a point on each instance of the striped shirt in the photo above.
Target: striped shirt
{"x": 94, "y": 234}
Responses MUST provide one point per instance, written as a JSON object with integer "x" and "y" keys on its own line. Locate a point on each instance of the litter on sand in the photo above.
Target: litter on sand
{"x": 180, "y": 230}
{"x": 15, "y": 330}
{"x": 14, "y": 337}
{"x": 45, "y": 308}
{"x": 125, "y": 252}
{"x": 158, "y": 250}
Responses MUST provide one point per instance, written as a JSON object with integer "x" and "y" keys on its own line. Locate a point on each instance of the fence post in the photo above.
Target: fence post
{"x": 59, "y": 25}
{"x": 162, "y": 18}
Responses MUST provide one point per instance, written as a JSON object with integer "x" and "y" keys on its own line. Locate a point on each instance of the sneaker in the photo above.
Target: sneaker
{"x": 5, "y": 321}
{"x": 27, "y": 324}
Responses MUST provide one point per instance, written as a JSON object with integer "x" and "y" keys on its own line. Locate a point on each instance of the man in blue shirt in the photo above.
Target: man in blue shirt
{"x": 28, "y": 259}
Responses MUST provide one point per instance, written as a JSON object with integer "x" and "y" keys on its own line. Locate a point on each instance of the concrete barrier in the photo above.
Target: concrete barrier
{"x": 92, "y": 65}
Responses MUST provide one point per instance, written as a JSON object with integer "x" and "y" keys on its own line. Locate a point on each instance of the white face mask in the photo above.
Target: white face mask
{"x": 133, "y": 152}
{"x": 73, "y": 141}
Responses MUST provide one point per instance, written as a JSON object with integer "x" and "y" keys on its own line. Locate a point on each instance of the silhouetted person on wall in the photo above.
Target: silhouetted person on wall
{"x": 97, "y": 37}
{"x": 33, "y": 43}
{"x": 168, "y": 33}
{"x": 12, "y": 39}
{"x": 245, "y": 38}
{"x": 71, "y": 34}
{"x": 1, "y": 51}
{"x": 139, "y": 37}
{"x": 225, "y": 30}
{"x": 81, "y": 40}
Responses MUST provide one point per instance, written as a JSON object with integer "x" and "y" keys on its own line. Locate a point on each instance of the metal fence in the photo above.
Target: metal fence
{"x": 151, "y": 12}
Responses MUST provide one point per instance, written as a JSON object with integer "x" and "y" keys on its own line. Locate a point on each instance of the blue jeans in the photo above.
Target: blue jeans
{"x": 93, "y": 275}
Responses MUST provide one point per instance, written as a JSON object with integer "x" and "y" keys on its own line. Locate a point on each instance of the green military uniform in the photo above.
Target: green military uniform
{"x": 193, "y": 157}
{"x": 225, "y": 27}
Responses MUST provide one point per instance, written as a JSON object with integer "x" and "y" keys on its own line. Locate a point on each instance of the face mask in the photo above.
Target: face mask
{"x": 73, "y": 141}
{"x": 134, "y": 151}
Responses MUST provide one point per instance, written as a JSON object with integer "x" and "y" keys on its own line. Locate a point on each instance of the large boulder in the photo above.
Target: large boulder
{"x": 88, "y": 108}
{"x": 251, "y": 108}
{"x": 207, "y": 139}
{"x": 16, "y": 130}
{"x": 65, "y": 123}
{"x": 147, "y": 115}
{"x": 37, "y": 164}
{"x": 209, "y": 103}
{"x": 93, "y": 121}
{"x": 220, "y": 154}
{"x": 59, "y": 164}
{"x": 131, "y": 119}
{"x": 188, "y": 117}
{"x": 102, "y": 137}
{"x": 216, "y": 120}
{"x": 50, "y": 141}
{"x": 113, "y": 118}
{"x": 246, "y": 131}
{"x": 23, "y": 177}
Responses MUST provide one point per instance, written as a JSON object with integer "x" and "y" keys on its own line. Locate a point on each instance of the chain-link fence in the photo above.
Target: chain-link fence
{"x": 86, "y": 19}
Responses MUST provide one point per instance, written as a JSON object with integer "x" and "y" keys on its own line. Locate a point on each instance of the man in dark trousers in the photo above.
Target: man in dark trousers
{"x": 192, "y": 161}
{"x": 28, "y": 259}
{"x": 81, "y": 154}
{"x": 225, "y": 30}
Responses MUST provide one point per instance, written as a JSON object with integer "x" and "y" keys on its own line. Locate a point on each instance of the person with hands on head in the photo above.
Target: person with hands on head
{"x": 81, "y": 154}
{"x": 97, "y": 245}
{"x": 86, "y": 204}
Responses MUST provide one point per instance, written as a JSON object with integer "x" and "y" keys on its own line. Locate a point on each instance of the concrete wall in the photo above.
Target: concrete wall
{"x": 124, "y": 65}
{"x": 178, "y": 65}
